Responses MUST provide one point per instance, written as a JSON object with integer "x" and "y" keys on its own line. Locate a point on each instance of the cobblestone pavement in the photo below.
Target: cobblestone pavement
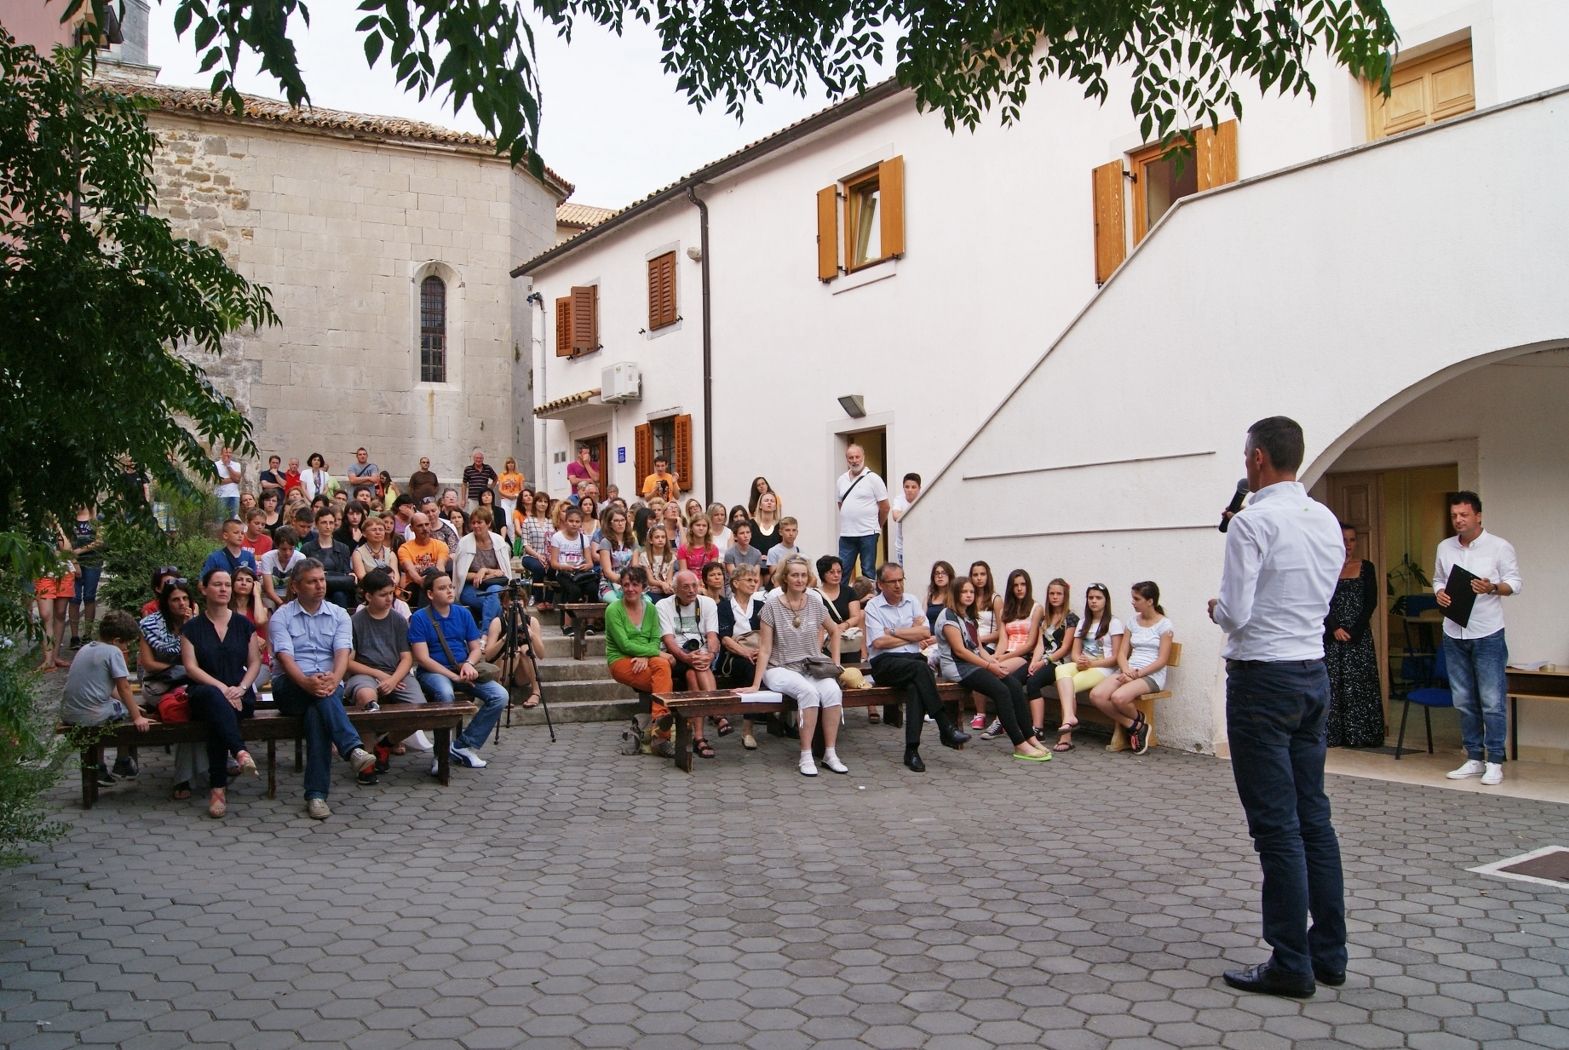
{"x": 569, "y": 896}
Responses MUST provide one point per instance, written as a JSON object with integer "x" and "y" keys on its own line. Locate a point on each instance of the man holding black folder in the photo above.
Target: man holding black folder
{"x": 1483, "y": 570}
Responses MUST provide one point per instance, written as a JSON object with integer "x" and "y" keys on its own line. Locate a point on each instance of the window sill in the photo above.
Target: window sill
{"x": 862, "y": 276}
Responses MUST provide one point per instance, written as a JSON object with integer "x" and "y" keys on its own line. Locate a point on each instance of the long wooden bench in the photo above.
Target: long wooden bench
{"x": 584, "y": 615}
{"x": 728, "y": 703}
{"x": 270, "y": 726}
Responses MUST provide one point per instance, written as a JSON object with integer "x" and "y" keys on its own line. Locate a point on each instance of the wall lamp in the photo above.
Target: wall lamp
{"x": 854, "y": 405}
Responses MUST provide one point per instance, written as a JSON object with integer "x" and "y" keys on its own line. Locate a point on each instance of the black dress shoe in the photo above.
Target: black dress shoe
{"x": 1266, "y": 979}
{"x": 1333, "y": 978}
{"x": 954, "y": 738}
{"x": 912, "y": 761}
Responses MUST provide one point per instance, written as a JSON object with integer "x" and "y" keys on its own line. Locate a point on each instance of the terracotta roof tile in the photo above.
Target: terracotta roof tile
{"x": 581, "y": 215}
{"x": 272, "y": 111}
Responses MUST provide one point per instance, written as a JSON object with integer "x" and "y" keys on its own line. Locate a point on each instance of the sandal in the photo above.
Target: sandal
{"x": 218, "y": 805}
{"x": 701, "y": 748}
{"x": 1065, "y": 730}
{"x": 246, "y": 763}
{"x": 1139, "y": 735}
{"x": 182, "y": 791}
{"x": 722, "y": 724}
{"x": 873, "y": 716}
{"x": 533, "y": 699}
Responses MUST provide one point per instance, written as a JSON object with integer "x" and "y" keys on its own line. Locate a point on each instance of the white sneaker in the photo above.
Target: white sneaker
{"x": 466, "y": 756}
{"x": 1472, "y": 768}
{"x": 831, "y": 760}
{"x": 1494, "y": 774}
{"x": 362, "y": 761}
{"x": 418, "y": 741}
{"x": 316, "y": 809}
{"x": 808, "y": 767}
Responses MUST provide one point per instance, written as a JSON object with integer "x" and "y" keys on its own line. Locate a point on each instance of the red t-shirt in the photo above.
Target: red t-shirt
{"x": 697, "y": 557}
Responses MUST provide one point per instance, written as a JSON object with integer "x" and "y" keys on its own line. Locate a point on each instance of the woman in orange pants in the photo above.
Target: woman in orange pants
{"x": 633, "y": 649}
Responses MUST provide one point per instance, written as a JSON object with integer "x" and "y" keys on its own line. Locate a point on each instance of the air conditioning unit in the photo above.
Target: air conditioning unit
{"x": 620, "y": 383}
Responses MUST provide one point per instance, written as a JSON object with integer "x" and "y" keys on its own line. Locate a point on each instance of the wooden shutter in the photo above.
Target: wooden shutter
{"x": 828, "y": 233}
{"x": 1111, "y": 243}
{"x": 682, "y": 467}
{"x": 1423, "y": 91}
{"x": 1215, "y": 155}
{"x": 643, "y": 454}
{"x": 890, "y": 186}
{"x": 585, "y": 319}
{"x": 662, "y": 291}
{"x": 564, "y": 326}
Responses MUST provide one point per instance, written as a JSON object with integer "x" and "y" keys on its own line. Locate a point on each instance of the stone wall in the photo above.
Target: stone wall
{"x": 342, "y": 230}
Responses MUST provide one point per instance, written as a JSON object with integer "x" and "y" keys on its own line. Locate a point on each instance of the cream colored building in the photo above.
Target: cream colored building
{"x": 386, "y": 244}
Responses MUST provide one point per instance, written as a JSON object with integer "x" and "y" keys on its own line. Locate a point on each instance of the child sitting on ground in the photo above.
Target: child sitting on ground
{"x": 98, "y": 687}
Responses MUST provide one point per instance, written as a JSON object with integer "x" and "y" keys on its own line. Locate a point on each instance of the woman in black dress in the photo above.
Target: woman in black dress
{"x": 222, "y": 656}
{"x": 1356, "y": 701}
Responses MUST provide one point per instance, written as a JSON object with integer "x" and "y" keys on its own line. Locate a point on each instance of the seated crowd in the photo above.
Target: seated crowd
{"x": 345, "y": 593}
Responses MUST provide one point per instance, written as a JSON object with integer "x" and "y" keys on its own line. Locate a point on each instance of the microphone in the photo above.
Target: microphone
{"x": 1235, "y": 505}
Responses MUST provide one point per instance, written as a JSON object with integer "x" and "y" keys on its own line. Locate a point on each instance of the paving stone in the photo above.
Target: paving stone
{"x": 541, "y": 902}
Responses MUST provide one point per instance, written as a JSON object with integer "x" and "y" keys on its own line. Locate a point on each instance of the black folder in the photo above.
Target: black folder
{"x": 1462, "y": 599}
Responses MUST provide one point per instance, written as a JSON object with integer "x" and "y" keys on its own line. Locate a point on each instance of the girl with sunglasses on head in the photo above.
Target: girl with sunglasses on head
{"x": 1095, "y": 643}
{"x": 1141, "y": 666}
{"x": 1053, "y": 645}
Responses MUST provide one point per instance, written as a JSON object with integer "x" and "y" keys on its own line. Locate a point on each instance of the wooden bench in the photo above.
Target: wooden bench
{"x": 584, "y": 615}
{"x": 271, "y": 726}
{"x": 728, "y": 703}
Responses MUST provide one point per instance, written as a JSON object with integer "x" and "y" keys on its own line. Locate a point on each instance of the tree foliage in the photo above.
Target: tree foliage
{"x": 963, "y": 58}
{"x": 108, "y": 313}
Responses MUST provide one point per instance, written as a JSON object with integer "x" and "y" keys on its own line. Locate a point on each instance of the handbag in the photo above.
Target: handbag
{"x": 488, "y": 672}
{"x": 174, "y": 706}
{"x": 819, "y": 667}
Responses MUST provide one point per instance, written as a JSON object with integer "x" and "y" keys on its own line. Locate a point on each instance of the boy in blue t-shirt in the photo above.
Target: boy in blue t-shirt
{"x": 446, "y": 643}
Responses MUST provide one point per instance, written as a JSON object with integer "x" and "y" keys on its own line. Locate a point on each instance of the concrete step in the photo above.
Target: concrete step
{"x": 565, "y": 669}
{"x": 605, "y": 709}
{"x": 593, "y": 689}
{"x": 559, "y": 645}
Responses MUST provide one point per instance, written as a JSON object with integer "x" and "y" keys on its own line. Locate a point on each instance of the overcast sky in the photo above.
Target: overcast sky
{"x": 612, "y": 124}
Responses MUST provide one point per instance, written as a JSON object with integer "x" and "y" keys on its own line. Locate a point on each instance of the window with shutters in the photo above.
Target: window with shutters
{"x": 860, "y": 220}
{"x": 662, "y": 291}
{"x": 1157, "y": 178}
{"x": 1423, "y": 91}
{"x": 668, "y": 438}
{"x": 433, "y": 330}
{"x": 577, "y": 321}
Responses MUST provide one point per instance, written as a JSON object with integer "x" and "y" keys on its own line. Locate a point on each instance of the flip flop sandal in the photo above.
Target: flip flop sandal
{"x": 1062, "y": 746}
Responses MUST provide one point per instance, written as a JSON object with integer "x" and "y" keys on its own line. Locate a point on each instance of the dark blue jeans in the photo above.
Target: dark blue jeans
{"x": 863, "y": 547}
{"x": 326, "y": 725}
{"x": 1275, "y": 721}
{"x": 1481, "y": 691}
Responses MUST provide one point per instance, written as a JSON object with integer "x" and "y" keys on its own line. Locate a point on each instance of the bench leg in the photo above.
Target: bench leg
{"x": 299, "y": 754}
{"x": 92, "y": 757}
{"x": 444, "y": 755}
{"x": 272, "y": 769}
{"x": 683, "y": 743}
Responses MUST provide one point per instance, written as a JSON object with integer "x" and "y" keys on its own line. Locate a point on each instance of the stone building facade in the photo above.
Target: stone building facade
{"x": 347, "y": 218}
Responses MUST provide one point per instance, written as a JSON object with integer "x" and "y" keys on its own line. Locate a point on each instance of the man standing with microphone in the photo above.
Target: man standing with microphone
{"x": 1283, "y": 555}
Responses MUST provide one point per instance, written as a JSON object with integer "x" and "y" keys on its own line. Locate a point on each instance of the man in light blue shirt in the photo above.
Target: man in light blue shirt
{"x": 896, "y": 637}
{"x": 312, "y": 640}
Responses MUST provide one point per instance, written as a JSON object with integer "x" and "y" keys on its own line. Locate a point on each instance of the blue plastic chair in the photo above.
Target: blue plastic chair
{"x": 1435, "y": 693}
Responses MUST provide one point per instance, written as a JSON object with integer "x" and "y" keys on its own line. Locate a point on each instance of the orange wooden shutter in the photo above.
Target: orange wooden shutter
{"x": 683, "y": 456}
{"x": 585, "y": 319}
{"x": 890, "y": 187}
{"x": 1111, "y": 245}
{"x": 643, "y": 453}
{"x": 1215, "y": 155}
{"x": 828, "y": 233}
{"x": 564, "y": 326}
{"x": 662, "y": 291}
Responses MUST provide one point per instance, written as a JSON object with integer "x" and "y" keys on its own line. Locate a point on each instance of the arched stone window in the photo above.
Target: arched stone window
{"x": 433, "y": 330}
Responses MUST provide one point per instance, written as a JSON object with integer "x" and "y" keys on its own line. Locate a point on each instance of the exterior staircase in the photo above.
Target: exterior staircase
{"x": 576, "y": 690}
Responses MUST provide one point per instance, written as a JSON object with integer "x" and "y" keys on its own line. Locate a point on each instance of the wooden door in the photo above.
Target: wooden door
{"x": 599, "y": 449}
{"x": 1358, "y": 500}
{"x": 875, "y": 444}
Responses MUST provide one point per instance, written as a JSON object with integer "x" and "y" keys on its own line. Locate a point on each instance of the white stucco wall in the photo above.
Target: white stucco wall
{"x": 1335, "y": 293}
{"x": 999, "y": 260}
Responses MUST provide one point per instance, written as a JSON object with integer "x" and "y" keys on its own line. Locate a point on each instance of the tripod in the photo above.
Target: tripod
{"x": 516, "y": 645}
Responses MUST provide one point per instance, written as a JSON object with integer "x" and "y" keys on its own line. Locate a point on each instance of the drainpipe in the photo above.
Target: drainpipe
{"x": 708, "y": 353}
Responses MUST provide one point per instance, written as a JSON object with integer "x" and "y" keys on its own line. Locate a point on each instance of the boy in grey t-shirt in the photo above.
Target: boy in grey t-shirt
{"x": 382, "y": 661}
{"x": 98, "y": 686}
{"x": 741, "y": 552}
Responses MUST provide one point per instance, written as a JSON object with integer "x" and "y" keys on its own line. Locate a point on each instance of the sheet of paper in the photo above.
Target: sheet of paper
{"x": 762, "y": 696}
